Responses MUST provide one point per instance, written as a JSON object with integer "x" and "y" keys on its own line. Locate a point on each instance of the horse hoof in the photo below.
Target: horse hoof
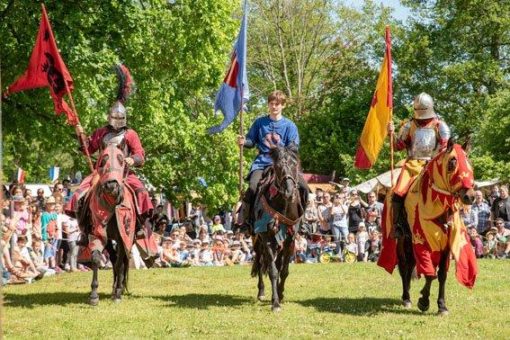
{"x": 423, "y": 305}
{"x": 276, "y": 309}
{"x": 261, "y": 297}
{"x": 93, "y": 301}
{"x": 407, "y": 304}
{"x": 443, "y": 312}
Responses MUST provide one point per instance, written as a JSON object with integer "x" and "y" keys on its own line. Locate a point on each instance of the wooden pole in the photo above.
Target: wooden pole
{"x": 241, "y": 149}
{"x": 78, "y": 133}
{"x": 392, "y": 165}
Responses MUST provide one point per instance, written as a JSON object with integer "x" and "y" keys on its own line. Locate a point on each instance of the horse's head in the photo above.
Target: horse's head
{"x": 286, "y": 168}
{"x": 451, "y": 171}
{"x": 111, "y": 169}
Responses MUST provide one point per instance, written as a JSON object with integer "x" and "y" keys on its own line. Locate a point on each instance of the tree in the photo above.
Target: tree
{"x": 176, "y": 53}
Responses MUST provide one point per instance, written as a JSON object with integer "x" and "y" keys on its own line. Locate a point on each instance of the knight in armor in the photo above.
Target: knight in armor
{"x": 116, "y": 132}
{"x": 422, "y": 137}
{"x": 272, "y": 129}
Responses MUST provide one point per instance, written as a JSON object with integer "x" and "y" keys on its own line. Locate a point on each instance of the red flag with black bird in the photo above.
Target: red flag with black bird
{"x": 47, "y": 69}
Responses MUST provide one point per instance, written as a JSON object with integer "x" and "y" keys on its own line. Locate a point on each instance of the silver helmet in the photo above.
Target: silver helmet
{"x": 117, "y": 116}
{"x": 423, "y": 106}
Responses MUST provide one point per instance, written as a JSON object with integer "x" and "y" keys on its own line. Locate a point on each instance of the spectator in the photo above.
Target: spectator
{"x": 469, "y": 216}
{"x": 20, "y": 214}
{"x": 494, "y": 194}
{"x": 372, "y": 221}
{"x": 195, "y": 252}
{"x": 351, "y": 247}
{"x": 300, "y": 247}
{"x": 206, "y": 257}
{"x": 237, "y": 255}
{"x": 503, "y": 238}
{"x": 72, "y": 231}
{"x": 48, "y": 232}
{"x": 319, "y": 194}
{"x": 501, "y": 206}
{"x": 217, "y": 226}
{"x": 355, "y": 212}
{"x": 338, "y": 218}
{"x": 346, "y": 184}
{"x": 311, "y": 217}
{"x": 482, "y": 211}
{"x": 374, "y": 206}
{"x": 37, "y": 256}
{"x": 476, "y": 242}
{"x": 36, "y": 223}
{"x": 490, "y": 245}
{"x": 58, "y": 192}
{"x": 218, "y": 252}
{"x": 40, "y": 200}
{"x": 361, "y": 240}
{"x": 373, "y": 246}
{"x": 324, "y": 214}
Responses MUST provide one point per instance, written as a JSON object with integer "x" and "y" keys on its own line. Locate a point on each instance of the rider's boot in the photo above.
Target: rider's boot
{"x": 397, "y": 204}
{"x": 140, "y": 227}
{"x": 245, "y": 225}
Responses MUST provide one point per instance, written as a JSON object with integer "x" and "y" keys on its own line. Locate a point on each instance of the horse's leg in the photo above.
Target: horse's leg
{"x": 261, "y": 295}
{"x": 441, "y": 277}
{"x": 284, "y": 268}
{"x": 405, "y": 266}
{"x": 423, "y": 302}
{"x": 119, "y": 271}
{"x": 273, "y": 275}
{"x": 96, "y": 260}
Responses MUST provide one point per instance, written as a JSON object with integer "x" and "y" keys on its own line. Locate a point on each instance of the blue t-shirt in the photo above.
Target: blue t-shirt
{"x": 281, "y": 132}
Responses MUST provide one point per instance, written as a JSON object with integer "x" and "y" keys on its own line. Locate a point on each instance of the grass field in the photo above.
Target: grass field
{"x": 322, "y": 300}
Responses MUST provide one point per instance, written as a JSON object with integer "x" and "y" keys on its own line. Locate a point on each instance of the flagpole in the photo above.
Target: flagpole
{"x": 390, "y": 99}
{"x": 241, "y": 147}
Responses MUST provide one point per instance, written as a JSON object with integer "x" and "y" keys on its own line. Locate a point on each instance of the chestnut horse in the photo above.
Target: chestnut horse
{"x": 278, "y": 209}
{"x": 434, "y": 229}
{"x": 112, "y": 211}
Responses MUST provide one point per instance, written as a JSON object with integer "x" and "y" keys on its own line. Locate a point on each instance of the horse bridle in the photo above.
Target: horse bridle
{"x": 279, "y": 181}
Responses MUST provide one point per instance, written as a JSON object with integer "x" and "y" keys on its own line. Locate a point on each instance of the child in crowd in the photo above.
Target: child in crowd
{"x": 37, "y": 256}
{"x": 218, "y": 251}
{"x": 476, "y": 242}
{"x": 373, "y": 246}
{"x": 351, "y": 248}
{"x": 361, "y": 240}
{"x": 300, "y": 245}
{"x": 237, "y": 256}
{"x": 490, "y": 245}
{"x": 206, "y": 257}
{"x": 195, "y": 252}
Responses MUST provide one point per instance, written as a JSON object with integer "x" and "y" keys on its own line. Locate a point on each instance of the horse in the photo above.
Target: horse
{"x": 111, "y": 210}
{"x": 279, "y": 206}
{"x": 433, "y": 229}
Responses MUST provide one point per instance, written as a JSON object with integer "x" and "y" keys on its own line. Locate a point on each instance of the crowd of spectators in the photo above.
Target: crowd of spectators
{"x": 39, "y": 240}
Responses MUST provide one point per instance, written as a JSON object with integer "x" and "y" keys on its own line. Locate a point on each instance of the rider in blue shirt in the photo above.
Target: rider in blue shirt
{"x": 267, "y": 130}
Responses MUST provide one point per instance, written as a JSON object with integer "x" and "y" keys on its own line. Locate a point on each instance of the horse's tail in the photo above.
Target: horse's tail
{"x": 262, "y": 259}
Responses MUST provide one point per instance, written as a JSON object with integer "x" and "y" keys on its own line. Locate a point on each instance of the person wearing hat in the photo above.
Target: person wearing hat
{"x": 422, "y": 137}
{"x": 503, "y": 237}
{"x": 49, "y": 231}
{"x": 206, "y": 257}
{"x": 20, "y": 213}
{"x": 237, "y": 256}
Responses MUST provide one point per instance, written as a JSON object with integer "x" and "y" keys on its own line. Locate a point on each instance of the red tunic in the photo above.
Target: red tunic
{"x": 135, "y": 151}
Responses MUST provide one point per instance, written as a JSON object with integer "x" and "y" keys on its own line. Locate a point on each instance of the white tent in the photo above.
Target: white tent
{"x": 378, "y": 182}
{"x": 384, "y": 181}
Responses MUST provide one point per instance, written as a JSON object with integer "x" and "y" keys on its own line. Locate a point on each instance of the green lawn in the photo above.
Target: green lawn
{"x": 322, "y": 300}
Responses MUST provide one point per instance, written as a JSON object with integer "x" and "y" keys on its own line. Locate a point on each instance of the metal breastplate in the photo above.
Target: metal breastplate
{"x": 116, "y": 138}
{"x": 424, "y": 143}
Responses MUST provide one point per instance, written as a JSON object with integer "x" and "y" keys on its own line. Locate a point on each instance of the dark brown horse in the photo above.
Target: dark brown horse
{"x": 111, "y": 211}
{"x": 433, "y": 230}
{"x": 278, "y": 209}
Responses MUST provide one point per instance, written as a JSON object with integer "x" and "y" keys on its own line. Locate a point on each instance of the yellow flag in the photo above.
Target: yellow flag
{"x": 380, "y": 114}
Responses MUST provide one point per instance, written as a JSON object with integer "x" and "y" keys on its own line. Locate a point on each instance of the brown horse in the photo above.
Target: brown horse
{"x": 112, "y": 213}
{"x": 278, "y": 209}
{"x": 434, "y": 230}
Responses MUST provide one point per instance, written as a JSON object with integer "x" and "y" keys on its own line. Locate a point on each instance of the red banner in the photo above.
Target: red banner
{"x": 47, "y": 69}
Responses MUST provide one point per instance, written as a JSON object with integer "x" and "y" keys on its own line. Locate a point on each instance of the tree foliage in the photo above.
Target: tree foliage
{"x": 176, "y": 54}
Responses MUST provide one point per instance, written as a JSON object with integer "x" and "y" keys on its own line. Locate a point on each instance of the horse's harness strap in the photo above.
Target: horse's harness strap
{"x": 276, "y": 215}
